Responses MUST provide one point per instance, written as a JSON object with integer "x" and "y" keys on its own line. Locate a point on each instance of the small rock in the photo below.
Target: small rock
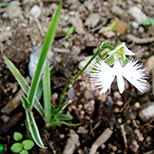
{"x": 135, "y": 25}
{"x": 147, "y": 113}
{"x": 82, "y": 130}
{"x": 150, "y": 64}
{"x": 71, "y": 144}
{"x": 119, "y": 11}
{"x": 35, "y": 11}
{"x": 83, "y": 63}
{"x": 71, "y": 93}
{"x": 120, "y": 26}
{"x": 89, "y": 5}
{"x": 34, "y": 56}
{"x": 93, "y": 20}
{"x": 151, "y": 31}
{"x": 14, "y": 10}
{"x": 107, "y": 32}
{"x": 137, "y": 14}
{"x": 78, "y": 24}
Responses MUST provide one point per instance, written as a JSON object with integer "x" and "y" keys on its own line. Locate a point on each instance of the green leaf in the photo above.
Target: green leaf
{"x": 28, "y": 144}
{"x": 56, "y": 123}
{"x": 17, "y": 136}
{"x": 33, "y": 129}
{"x": 46, "y": 45}
{"x": 16, "y": 147}
{"x": 4, "y": 4}
{"x": 148, "y": 22}
{"x": 23, "y": 83}
{"x": 62, "y": 107}
{"x": 64, "y": 117}
{"x": 47, "y": 93}
{"x": 21, "y": 80}
{"x": 24, "y": 152}
{"x": 25, "y": 102}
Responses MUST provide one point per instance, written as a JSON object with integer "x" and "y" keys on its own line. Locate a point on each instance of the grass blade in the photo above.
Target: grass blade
{"x": 56, "y": 123}
{"x": 23, "y": 83}
{"x": 47, "y": 93}
{"x": 47, "y": 42}
{"x": 21, "y": 80}
{"x": 33, "y": 129}
{"x": 64, "y": 117}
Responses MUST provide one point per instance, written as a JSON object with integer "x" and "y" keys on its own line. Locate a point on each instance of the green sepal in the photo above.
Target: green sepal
{"x": 110, "y": 60}
{"x": 123, "y": 62}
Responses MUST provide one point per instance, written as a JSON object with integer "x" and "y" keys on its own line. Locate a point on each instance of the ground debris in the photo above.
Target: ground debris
{"x": 72, "y": 143}
{"x": 140, "y": 40}
{"x": 101, "y": 140}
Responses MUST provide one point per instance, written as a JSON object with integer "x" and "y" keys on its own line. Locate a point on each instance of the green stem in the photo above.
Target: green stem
{"x": 101, "y": 48}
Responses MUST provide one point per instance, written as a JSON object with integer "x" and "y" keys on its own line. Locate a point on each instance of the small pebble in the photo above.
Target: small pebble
{"x": 141, "y": 138}
{"x": 119, "y": 120}
{"x": 137, "y": 105}
{"x": 61, "y": 136}
{"x": 120, "y": 103}
{"x": 148, "y": 138}
{"x": 103, "y": 146}
{"x": 117, "y": 94}
{"x": 114, "y": 148}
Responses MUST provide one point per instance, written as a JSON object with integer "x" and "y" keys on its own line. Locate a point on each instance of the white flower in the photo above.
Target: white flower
{"x": 125, "y": 49}
{"x": 102, "y": 75}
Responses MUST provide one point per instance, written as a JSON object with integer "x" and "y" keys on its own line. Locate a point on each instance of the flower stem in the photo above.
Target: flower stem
{"x": 101, "y": 48}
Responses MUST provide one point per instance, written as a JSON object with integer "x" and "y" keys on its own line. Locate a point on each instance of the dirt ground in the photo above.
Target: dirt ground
{"x": 118, "y": 121}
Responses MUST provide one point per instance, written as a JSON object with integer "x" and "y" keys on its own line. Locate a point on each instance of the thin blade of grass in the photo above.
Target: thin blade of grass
{"x": 34, "y": 129}
{"x": 23, "y": 83}
{"x": 47, "y": 93}
{"x": 46, "y": 45}
{"x": 56, "y": 123}
{"x": 64, "y": 117}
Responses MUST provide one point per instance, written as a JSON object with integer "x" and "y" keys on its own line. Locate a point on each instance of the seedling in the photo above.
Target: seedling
{"x": 21, "y": 147}
{"x": 69, "y": 32}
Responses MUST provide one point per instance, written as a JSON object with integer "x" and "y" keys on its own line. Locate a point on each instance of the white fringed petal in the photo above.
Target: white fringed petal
{"x": 103, "y": 75}
{"x": 134, "y": 73}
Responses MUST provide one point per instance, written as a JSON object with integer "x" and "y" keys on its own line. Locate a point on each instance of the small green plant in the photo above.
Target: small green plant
{"x": 148, "y": 22}
{"x": 112, "y": 26}
{"x": 41, "y": 84}
{"x": 4, "y": 4}
{"x": 69, "y": 32}
{"x": 21, "y": 147}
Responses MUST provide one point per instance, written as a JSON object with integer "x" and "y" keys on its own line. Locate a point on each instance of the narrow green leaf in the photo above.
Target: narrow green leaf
{"x": 64, "y": 117}
{"x": 62, "y": 107}
{"x": 56, "y": 123}
{"x": 33, "y": 129}
{"x": 21, "y": 80}
{"x": 4, "y": 4}
{"x": 17, "y": 136}
{"x": 25, "y": 102}
{"x": 47, "y": 93}
{"x": 46, "y": 45}
{"x": 23, "y": 83}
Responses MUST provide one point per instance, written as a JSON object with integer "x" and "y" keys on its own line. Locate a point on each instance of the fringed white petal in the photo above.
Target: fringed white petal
{"x": 134, "y": 73}
{"x": 102, "y": 76}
